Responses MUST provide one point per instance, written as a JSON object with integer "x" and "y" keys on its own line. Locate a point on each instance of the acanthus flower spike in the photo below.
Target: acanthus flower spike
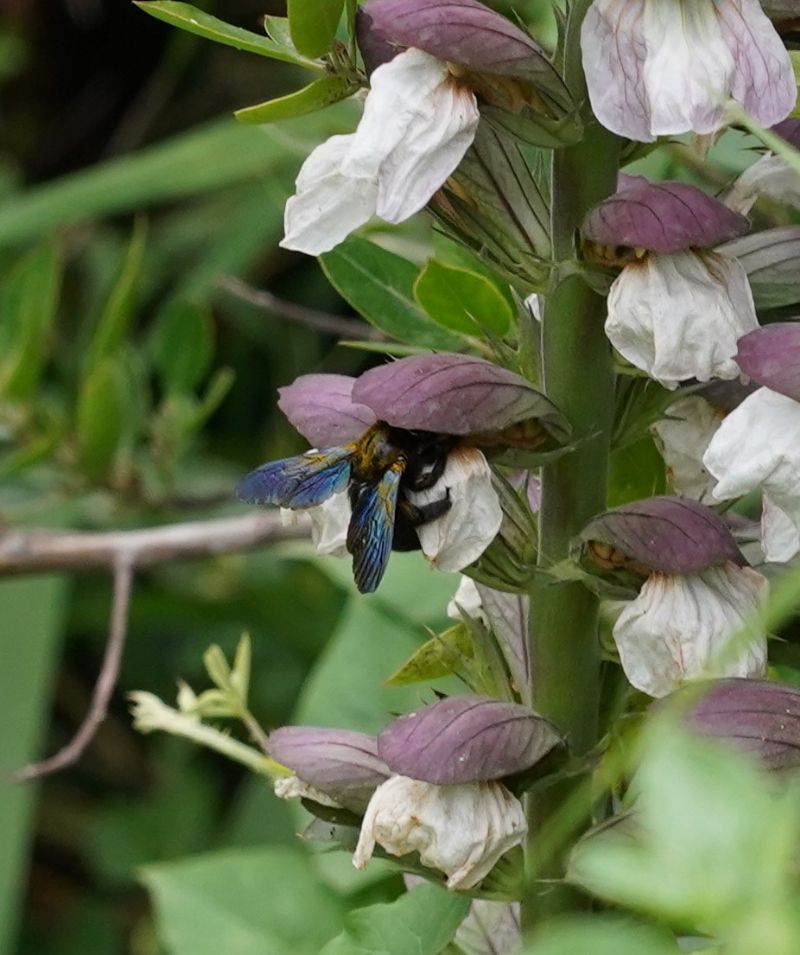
{"x": 415, "y": 477}
{"x": 677, "y": 308}
{"x": 662, "y": 67}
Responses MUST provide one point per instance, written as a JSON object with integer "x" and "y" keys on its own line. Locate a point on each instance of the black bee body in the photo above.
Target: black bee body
{"x": 378, "y": 471}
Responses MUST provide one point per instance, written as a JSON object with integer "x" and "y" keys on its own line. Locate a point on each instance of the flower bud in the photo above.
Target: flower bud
{"x": 342, "y": 764}
{"x": 756, "y": 716}
{"x": 669, "y": 535}
{"x": 464, "y": 739}
{"x": 771, "y": 260}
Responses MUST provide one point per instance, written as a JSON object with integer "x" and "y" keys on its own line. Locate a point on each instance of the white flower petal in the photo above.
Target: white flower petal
{"x": 680, "y": 316}
{"x": 661, "y": 67}
{"x": 682, "y": 438}
{"x": 467, "y": 602}
{"x": 292, "y": 787}
{"x": 460, "y": 536}
{"x": 462, "y": 830}
{"x": 763, "y": 80}
{"x": 758, "y": 446}
{"x": 491, "y": 928}
{"x": 329, "y": 522}
{"x": 770, "y": 177}
{"x": 420, "y": 122}
{"x": 328, "y": 204}
{"x": 679, "y": 627}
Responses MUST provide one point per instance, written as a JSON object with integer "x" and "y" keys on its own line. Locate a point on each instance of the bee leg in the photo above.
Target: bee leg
{"x": 418, "y": 514}
{"x": 410, "y": 516}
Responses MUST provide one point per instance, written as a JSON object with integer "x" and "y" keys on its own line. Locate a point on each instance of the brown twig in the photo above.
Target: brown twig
{"x": 325, "y": 322}
{"x": 103, "y": 688}
{"x": 42, "y": 551}
{"x": 122, "y": 552}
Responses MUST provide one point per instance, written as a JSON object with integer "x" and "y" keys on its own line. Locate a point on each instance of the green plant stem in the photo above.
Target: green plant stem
{"x": 578, "y": 376}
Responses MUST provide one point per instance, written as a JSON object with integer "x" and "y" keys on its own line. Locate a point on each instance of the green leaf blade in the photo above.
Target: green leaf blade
{"x": 317, "y": 95}
{"x": 313, "y": 24}
{"x": 380, "y": 286}
{"x": 462, "y": 300}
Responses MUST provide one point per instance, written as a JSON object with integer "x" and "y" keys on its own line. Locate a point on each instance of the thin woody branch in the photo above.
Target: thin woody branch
{"x": 43, "y": 551}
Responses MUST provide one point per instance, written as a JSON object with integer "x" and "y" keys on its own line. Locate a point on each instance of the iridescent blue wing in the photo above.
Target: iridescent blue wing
{"x": 299, "y": 482}
{"x": 369, "y": 536}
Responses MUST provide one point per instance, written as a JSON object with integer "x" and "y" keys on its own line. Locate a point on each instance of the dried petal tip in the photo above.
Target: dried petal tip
{"x": 667, "y": 535}
{"x": 321, "y": 408}
{"x": 452, "y": 394}
{"x": 662, "y": 217}
{"x": 341, "y": 764}
{"x": 771, "y": 356}
{"x": 465, "y": 739}
{"x": 758, "y": 716}
{"x": 459, "y": 31}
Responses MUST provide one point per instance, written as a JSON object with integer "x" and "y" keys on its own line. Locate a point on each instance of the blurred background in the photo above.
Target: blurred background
{"x": 137, "y": 384}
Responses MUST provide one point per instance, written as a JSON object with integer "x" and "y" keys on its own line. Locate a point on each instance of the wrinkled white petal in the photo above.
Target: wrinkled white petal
{"x": 329, "y": 524}
{"x": 467, "y": 602}
{"x": 460, "y": 536}
{"x": 661, "y": 67}
{"x": 680, "y": 625}
{"x": 758, "y": 446}
{"x": 417, "y": 125}
{"x": 291, "y": 787}
{"x": 420, "y": 122}
{"x": 680, "y": 316}
{"x": 328, "y": 204}
{"x": 770, "y": 177}
{"x": 491, "y": 928}
{"x": 682, "y": 437}
{"x": 462, "y": 830}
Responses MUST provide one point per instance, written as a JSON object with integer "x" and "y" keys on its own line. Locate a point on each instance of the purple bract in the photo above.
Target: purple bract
{"x": 661, "y": 217}
{"x": 771, "y": 356}
{"x": 321, "y": 409}
{"x": 465, "y": 739}
{"x": 669, "y": 535}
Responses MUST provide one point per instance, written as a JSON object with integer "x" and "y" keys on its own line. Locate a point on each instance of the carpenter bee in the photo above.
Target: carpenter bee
{"x": 377, "y": 470}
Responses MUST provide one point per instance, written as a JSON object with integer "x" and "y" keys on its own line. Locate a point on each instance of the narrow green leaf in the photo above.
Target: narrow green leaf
{"x": 101, "y": 418}
{"x": 313, "y": 24}
{"x": 420, "y": 922}
{"x": 317, "y": 95}
{"x": 121, "y": 304}
{"x": 462, "y": 300}
{"x": 277, "y": 29}
{"x": 243, "y": 902}
{"x": 182, "y": 345}
{"x": 380, "y": 286}
{"x": 28, "y": 307}
{"x": 443, "y": 654}
{"x": 32, "y": 618}
{"x": 189, "y": 18}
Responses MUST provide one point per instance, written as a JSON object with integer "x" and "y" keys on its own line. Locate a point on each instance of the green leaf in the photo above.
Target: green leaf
{"x": 121, "y": 304}
{"x": 101, "y": 418}
{"x": 189, "y": 18}
{"x": 28, "y": 307}
{"x": 183, "y": 345}
{"x": 443, "y": 654}
{"x": 380, "y": 286}
{"x": 32, "y": 620}
{"x": 461, "y": 300}
{"x": 243, "y": 902}
{"x": 599, "y": 935}
{"x": 420, "y": 922}
{"x": 313, "y": 24}
{"x": 315, "y": 96}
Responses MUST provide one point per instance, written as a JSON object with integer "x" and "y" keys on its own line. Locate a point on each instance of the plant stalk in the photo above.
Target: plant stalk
{"x": 578, "y": 376}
